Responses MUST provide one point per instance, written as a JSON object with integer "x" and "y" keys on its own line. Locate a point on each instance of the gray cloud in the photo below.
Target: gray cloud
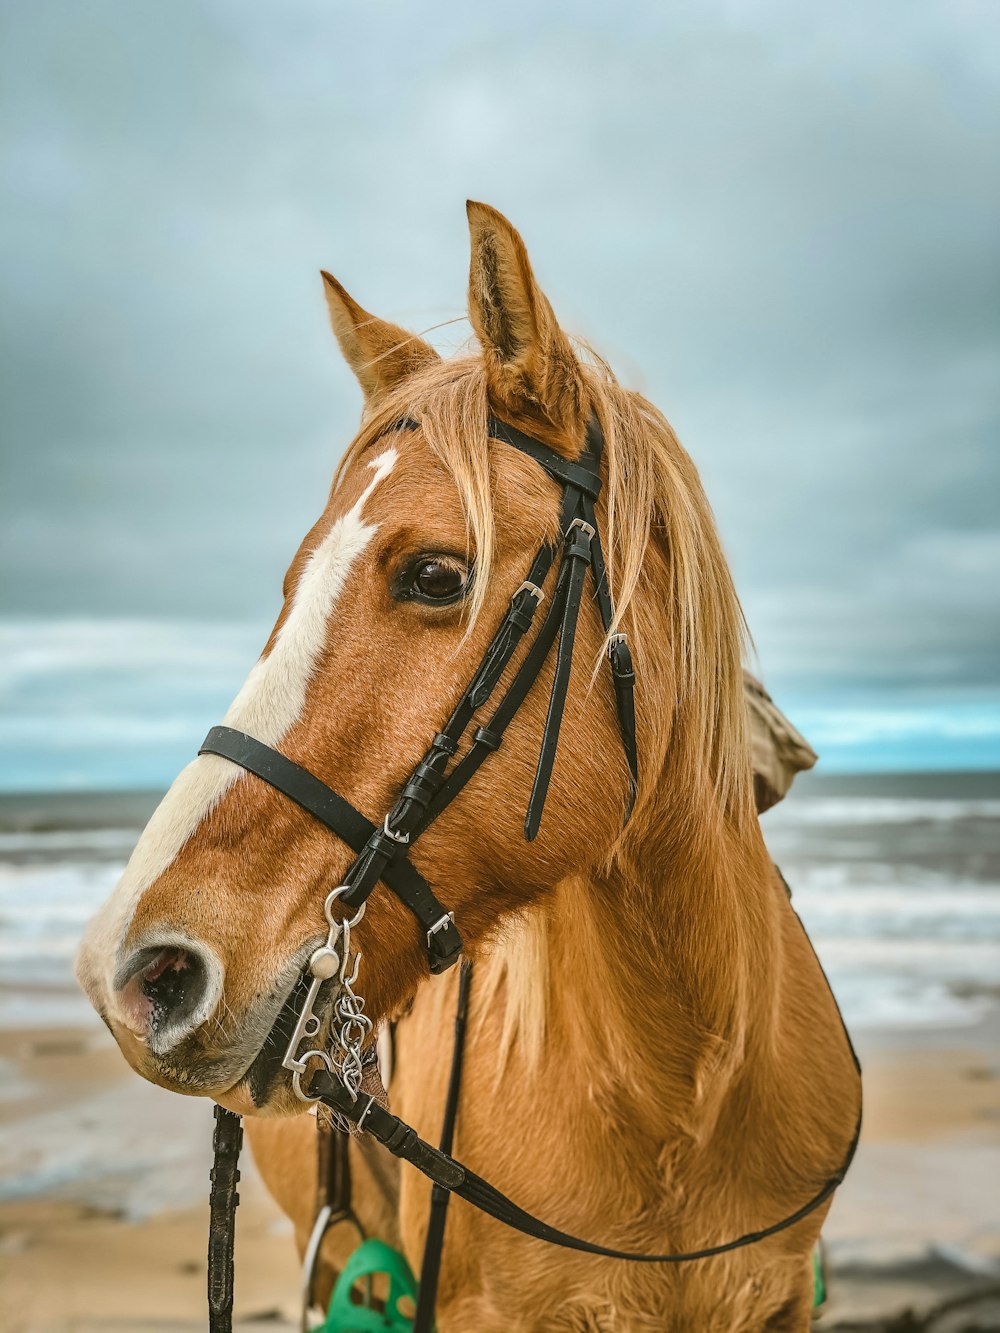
{"x": 780, "y": 223}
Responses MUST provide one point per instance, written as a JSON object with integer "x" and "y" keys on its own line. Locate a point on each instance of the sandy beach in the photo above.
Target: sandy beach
{"x": 103, "y": 1189}
{"x": 104, "y": 1178}
{"x": 103, "y": 1183}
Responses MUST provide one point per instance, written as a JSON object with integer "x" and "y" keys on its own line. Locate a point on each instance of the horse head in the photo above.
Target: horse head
{"x": 389, "y": 606}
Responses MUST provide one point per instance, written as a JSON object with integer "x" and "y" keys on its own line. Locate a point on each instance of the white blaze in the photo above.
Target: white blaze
{"x": 267, "y": 707}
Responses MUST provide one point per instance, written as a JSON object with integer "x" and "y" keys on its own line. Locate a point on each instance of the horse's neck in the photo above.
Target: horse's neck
{"x": 663, "y": 975}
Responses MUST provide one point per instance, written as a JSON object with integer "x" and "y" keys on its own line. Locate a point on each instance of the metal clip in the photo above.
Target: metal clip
{"x": 588, "y": 528}
{"x": 332, "y": 897}
{"x": 299, "y": 1067}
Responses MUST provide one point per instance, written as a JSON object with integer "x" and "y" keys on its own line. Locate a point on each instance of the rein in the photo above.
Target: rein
{"x": 444, "y": 1171}
{"x": 334, "y": 1077}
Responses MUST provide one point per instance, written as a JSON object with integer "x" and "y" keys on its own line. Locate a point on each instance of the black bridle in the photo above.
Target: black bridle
{"x": 382, "y": 849}
{"x": 381, "y": 854}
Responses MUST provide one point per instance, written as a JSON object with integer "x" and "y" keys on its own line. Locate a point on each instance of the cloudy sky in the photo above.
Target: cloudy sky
{"x": 780, "y": 221}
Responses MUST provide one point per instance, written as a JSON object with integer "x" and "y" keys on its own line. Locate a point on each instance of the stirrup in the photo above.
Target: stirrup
{"x": 326, "y": 1218}
{"x": 373, "y": 1258}
{"x": 821, "y": 1288}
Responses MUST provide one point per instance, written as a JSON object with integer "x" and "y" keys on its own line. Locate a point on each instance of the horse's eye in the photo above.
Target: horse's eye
{"x": 437, "y": 580}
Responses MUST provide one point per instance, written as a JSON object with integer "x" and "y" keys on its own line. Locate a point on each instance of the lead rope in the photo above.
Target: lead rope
{"x": 333, "y": 1205}
{"x": 440, "y": 1167}
{"x": 222, "y": 1204}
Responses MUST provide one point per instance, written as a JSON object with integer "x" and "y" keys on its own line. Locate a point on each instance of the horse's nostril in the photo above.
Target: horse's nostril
{"x": 167, "y": 990}
{"x": 171, "y": 978}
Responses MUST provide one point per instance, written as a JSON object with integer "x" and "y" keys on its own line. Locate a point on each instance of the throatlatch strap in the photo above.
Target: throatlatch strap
{"x": 222, "y": 1203}
{"x": 404, "y": 1142}
{"x": 333, "y": 1171}
{"x": 619, "y": 655}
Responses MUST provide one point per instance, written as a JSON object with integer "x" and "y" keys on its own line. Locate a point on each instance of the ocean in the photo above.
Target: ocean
{"x": 896, "y": 877}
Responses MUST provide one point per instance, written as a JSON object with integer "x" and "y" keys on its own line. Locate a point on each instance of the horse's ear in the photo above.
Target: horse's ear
{"x": 381, "y": 354}
{"x": 530, "y": 364}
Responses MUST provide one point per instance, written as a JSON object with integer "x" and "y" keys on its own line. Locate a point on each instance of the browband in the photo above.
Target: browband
{"x": 580, "y": 477}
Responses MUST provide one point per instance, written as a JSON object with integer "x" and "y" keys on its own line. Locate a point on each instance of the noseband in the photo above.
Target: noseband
{"x": 382, "y": 850}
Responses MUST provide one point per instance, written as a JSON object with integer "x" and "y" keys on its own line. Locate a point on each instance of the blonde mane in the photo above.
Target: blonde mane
{"x": 672, "y": 588}
{"x": 673, "y": 593}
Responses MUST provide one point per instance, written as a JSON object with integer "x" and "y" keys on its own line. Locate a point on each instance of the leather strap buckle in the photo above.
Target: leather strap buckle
{"x": 401, "y": 838}
{"x": 360, "y": 1122}
{"x": 578, "y": 540}
{"x": 447, "y": 920}
{"x": 536, "y": 592}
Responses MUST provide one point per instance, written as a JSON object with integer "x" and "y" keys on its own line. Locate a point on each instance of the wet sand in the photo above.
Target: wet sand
{"x": 67, "y": 1266}
{"x": 103, "y": 1189}
{"x": 103, "y": 1186}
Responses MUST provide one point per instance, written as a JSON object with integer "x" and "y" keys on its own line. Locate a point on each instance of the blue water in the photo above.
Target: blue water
{"x": 897, "y": 879}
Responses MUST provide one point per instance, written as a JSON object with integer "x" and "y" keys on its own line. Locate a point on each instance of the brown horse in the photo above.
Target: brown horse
{"x": 654, "y": 1058}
